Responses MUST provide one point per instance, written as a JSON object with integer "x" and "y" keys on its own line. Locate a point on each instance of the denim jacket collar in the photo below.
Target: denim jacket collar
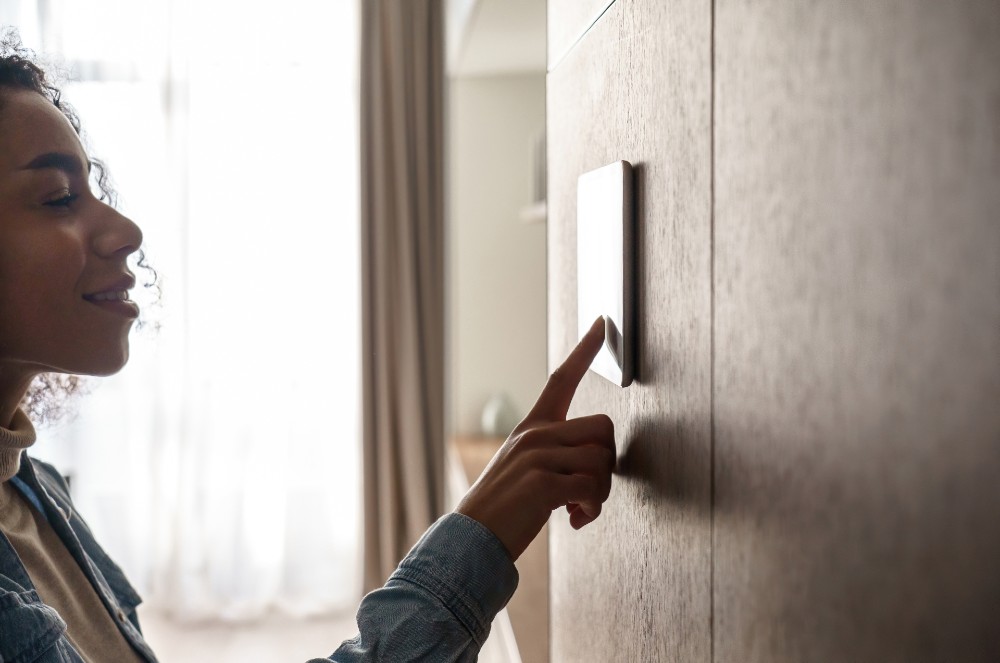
{"x": 27, "y": 626}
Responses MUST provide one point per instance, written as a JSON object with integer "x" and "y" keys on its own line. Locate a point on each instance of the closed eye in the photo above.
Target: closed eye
{"x": 62, "y": 201}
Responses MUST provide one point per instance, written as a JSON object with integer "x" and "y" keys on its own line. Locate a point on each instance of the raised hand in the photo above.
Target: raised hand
{"x": 548, "y": 462}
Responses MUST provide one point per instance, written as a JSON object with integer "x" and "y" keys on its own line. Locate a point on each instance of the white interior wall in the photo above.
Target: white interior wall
{"x": 496, "y": 262}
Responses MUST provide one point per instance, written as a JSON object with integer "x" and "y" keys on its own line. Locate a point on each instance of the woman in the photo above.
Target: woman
{"x": 65, "y": 311}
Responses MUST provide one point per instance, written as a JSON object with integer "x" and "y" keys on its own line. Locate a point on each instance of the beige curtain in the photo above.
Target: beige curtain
{"x": 402, "y": 209}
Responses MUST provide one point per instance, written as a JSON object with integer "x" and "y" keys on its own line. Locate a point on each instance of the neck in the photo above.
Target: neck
{"x": 16, "y": 431}
{"x": 14, "y": 385}
{"x": 13, "y": 440}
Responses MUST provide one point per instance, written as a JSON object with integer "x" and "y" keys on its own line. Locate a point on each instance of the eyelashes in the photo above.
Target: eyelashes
{"x": 64, "y": 200}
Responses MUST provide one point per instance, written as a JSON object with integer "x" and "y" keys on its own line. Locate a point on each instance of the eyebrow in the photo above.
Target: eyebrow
{"x": 67, "y": 163}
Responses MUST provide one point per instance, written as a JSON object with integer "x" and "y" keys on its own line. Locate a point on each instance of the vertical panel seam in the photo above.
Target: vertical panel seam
{"x": 711, "y": 378}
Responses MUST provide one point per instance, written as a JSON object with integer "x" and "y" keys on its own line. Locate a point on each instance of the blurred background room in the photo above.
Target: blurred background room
{"x": 496, "y": 260}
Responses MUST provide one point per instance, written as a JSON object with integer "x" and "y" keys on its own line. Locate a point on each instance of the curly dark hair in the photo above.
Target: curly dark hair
{"x": 46, "y": 398}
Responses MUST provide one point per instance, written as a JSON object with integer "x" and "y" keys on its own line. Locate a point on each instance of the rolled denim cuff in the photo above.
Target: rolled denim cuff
{"x": 461, "y": 562}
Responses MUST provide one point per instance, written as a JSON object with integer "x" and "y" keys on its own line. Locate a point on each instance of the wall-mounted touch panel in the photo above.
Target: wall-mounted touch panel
{"x": 605, "y": 266}
{"x": 635, "y": 585}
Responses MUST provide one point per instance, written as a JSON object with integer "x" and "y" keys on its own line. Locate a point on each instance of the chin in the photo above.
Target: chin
{"x": 109, "y": 368}
{"x": 102, "y": 372}
{"x": 101, "y": 365}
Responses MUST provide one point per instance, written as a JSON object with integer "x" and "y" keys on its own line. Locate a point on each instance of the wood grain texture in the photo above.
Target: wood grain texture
{"x": 857, "y": 351}
{"x": 634, "y": 586}
{"x": 568, "y": 20}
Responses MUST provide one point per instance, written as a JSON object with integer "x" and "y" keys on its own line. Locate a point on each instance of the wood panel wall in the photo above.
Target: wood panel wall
{"x": 810, "y": 456}
{"x": 645, "y": 564}
{"x": 857, "y": 331}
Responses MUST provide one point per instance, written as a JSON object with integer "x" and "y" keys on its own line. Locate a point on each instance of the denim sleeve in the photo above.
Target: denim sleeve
{"x": 439, "y": 603}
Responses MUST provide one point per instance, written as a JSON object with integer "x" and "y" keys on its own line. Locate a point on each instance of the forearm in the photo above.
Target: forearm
{"x": 439, "y": 604}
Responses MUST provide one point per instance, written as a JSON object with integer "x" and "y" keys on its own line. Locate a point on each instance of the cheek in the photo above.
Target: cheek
{"x": 40, "y": 276}
{"x": 38, "y": 288}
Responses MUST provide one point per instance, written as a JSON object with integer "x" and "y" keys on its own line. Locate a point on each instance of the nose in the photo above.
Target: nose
{"x": 117, "y": 235}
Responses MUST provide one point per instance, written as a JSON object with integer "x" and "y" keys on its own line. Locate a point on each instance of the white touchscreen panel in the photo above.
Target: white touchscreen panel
{"x": 605, "y": 266}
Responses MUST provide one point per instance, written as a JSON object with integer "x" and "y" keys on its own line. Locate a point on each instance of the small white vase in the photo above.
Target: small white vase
{"x": 499, "y": 416}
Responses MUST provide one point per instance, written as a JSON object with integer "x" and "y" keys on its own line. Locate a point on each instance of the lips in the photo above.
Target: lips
{"x": 108, "y": 296}
{"x": 113, "y": 297}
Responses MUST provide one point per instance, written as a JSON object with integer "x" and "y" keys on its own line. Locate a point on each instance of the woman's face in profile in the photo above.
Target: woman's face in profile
{"x": 63, "y": 277}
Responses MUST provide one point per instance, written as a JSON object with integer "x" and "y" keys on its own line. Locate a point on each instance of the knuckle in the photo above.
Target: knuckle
{"x": 606, "y": 488}
{"x": 610, "y": 459}
{"x": 596, "y": 458}
{"x": 534, "y": 478}
{"x": 526, "y": 462}
{"x": 607, "y": 428}
{"x": 552, "y": 494}
{"x": 531, "y": 439}
{"x": 606, "y": 423}
{"x": 602, "y": 459}
{"x": 557, "y": 376}
{"x": 596, "y": 489}
{"x": 586, "y": 484}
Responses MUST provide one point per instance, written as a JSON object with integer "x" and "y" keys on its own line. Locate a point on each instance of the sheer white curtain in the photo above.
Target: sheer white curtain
{"x": 221, "y": 467}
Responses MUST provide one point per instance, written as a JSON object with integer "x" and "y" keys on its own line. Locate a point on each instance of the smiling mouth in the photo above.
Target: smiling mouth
{"x": 113, "y": 295}
{"x": 115, "y": 301}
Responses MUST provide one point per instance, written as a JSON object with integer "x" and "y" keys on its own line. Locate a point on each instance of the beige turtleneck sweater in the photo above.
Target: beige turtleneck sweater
{"x": 58, "y": 579}
{"x": 13, "y": 441}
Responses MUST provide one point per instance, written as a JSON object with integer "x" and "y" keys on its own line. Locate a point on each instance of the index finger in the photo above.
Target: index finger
{"x": 553, "y": 402}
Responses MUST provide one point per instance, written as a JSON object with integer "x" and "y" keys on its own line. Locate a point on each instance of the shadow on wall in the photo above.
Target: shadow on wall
{"x": 826, "y": 542}
{"x": 656, "y": 464}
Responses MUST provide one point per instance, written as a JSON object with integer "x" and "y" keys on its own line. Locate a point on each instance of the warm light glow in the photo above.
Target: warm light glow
{"x": 221, "y": 467}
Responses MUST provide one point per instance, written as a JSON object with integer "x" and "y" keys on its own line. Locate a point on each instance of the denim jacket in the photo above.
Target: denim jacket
{"x": 437, "y": 606}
